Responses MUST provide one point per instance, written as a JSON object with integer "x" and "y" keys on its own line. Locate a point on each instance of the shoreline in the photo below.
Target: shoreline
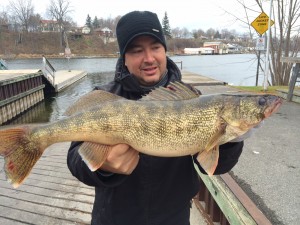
{"x": 78, "y": 56}
{"x": 37, "y": 56}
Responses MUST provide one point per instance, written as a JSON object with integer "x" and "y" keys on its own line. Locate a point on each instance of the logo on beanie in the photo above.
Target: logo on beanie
{"x": 155, "y": 30}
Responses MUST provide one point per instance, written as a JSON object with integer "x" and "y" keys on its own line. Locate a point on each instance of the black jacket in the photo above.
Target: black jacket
{"x": 159, "y": 190}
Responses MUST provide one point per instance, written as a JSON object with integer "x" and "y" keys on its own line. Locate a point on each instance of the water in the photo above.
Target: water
{"x": 237, "y": 69}
{"x": 91, "y": 65}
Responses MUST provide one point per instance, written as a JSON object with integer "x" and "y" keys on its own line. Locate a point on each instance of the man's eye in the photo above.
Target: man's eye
{"x": 135, "y": 50}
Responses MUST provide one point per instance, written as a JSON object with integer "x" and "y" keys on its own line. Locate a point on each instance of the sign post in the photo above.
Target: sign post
{"x": 68, "y": 56}
{"x": 261, "y": 24}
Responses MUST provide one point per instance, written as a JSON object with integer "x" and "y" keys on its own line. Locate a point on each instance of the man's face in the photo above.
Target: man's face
{"x": 146, "y": 59}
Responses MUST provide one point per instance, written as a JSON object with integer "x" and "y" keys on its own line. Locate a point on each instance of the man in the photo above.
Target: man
{"x": 132, "y": 188}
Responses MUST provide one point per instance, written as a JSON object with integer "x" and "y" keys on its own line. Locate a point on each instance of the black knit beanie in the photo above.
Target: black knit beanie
{"x": 138, "y": 23}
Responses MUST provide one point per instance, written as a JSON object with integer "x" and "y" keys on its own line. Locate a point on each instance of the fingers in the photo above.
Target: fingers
{"x": 122, "y": 159}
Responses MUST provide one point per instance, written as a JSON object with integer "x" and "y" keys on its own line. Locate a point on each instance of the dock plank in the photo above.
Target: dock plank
{"x": 65, "y": 78}
{"x": 13, "y": 74}
{"x": 50, "y": 195}
{"x": 199, "y": 80}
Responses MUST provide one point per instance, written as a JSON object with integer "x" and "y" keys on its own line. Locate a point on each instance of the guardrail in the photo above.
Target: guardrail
{"x": 48, "y": 71}
{"x": 221, "y": 200}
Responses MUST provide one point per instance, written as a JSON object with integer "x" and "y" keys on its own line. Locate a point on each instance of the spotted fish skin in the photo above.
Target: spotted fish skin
{"x": 166, "y": 123}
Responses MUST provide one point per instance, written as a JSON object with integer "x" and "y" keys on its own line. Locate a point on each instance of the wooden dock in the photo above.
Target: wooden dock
{"x": 50, "y": 195}
{"x": 199, "y": 80}
{"x": 22, "y": 89}
{"x": 65, "y": 78}
{"x": 19, "y": 91}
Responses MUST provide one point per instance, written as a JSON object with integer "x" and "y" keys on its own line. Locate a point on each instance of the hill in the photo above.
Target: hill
{"x": 30, "y": 45}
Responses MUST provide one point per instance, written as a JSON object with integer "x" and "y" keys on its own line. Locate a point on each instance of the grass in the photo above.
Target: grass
{"x": 260, "y": 89}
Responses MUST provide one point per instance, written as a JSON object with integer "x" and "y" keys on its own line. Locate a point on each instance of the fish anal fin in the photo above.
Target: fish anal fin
{"x": 94, "y": 154}
{"x": 173, "y": 92}
{"x": 209, "y": 160}
{"x": 91, "y": 100}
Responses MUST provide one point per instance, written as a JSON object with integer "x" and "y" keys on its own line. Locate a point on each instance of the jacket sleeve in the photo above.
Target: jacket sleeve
{"x": 229, "y": 154}
{"x": 80, "y": 170}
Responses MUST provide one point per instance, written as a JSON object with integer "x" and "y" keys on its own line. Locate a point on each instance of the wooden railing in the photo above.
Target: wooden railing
{"x": 295, "y": 74}
{"x": 221, "y": 200}
{"x": 48, "y": 71}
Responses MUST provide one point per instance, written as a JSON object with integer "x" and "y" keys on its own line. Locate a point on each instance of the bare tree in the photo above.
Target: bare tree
{"x": 34, "y": 22}
{"x": 210, "y": 33}
{"x": 3, "y": 17}
{"x": 59, "y": 10}
{"x": 284, "y": 35}
{"x": 22, "y": 10}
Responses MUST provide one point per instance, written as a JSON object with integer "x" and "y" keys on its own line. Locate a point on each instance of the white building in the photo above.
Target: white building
{"x": 199, "y": 51}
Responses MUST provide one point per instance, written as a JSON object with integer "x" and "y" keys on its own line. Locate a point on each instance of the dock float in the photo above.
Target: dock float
{"x": 19, "y": 91}
{"x": 61, "y": 79}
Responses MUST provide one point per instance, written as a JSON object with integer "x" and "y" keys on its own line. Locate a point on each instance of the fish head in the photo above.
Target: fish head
{"x": 246, "y": 111}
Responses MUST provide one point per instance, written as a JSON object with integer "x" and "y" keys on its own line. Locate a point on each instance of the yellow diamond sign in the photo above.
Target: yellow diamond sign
{"x": 261, "y": 23}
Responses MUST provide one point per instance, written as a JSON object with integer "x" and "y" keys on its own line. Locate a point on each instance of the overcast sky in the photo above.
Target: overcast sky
{"x": 192, "y": 14}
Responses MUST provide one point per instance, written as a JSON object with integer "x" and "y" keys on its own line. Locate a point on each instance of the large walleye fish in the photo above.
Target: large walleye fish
{"x": 168, "y": 122}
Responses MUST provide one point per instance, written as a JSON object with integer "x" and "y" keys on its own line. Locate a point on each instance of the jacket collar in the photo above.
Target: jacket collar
{"x": 130, "y": 83}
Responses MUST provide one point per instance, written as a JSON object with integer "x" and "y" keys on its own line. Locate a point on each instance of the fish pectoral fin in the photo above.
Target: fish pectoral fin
{"x": 94, "y": 154}
{"x": 209, "y": 160}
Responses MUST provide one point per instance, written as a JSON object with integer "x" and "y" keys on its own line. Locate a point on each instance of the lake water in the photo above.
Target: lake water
{"x": 238, "y": 69}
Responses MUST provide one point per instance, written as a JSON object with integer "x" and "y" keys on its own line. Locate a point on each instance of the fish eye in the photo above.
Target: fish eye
{"x": 262, "y": 101}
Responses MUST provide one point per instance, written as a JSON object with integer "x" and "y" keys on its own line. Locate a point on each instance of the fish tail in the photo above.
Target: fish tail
{"x": 19, "y": 152}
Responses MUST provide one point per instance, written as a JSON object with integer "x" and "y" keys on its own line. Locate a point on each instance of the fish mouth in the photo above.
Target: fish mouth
{"x": 273, "y": 106}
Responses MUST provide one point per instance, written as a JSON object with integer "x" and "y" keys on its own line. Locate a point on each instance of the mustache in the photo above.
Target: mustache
{"x": 146, "y": 65}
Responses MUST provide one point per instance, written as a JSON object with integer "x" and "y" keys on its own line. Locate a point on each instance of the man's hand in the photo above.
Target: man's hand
{"x": 122, "y": 159}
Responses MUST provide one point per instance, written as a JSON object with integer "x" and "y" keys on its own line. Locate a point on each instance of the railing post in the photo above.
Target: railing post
{"x": 180, "y": 64}
{"x": 295, "y": 75}
{"x": 3, "y": 65}
{"x": 48, "y": 69}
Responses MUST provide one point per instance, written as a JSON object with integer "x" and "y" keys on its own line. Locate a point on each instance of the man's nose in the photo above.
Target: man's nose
{"x": 148, "y": 56}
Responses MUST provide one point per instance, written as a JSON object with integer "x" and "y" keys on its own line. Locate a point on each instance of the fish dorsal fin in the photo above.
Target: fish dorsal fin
{"x": 91, "y": 100}
{"x": 174, "y": 91}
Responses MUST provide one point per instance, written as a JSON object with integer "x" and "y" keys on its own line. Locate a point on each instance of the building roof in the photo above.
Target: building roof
{"x": 48, "y": 21}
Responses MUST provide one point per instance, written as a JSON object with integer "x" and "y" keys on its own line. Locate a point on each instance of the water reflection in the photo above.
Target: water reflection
{"x": 54, "y": 106}
{"x": 67, "y": 97}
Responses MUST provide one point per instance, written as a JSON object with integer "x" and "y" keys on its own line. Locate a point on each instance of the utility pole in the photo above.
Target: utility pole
{"x": 267, "y": 66}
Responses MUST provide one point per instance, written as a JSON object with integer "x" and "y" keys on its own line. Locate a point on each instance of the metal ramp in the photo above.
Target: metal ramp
{"x": 3, "y": 65}
{"x": 56, "y": 81}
